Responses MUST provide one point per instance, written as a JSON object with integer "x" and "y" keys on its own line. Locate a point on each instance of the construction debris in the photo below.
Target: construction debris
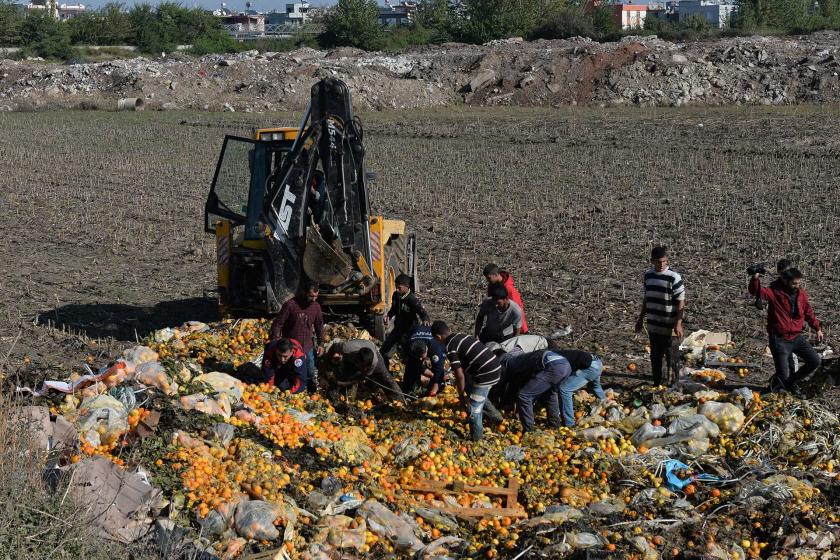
{"x": 639, "y": 71}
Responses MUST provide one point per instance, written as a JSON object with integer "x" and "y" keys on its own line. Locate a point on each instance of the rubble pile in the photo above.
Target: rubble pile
{"x": 641, "y": 71}
{"x": 232, "y": 469}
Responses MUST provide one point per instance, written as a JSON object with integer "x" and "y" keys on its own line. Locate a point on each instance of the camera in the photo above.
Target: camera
{"x": 756, "y": 269}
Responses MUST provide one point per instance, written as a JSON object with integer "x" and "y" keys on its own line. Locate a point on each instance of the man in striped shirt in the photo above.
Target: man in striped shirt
{"x": 662, "y": 306}
{"x": 476, "y": 370}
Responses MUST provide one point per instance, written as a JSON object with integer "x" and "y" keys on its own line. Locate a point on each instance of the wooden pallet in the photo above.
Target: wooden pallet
{"x": 512, "y": 507}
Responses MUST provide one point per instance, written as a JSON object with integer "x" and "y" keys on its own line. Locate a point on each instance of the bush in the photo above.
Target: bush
{"x": 354, "y": 23}
{"x": 45, "y": 36}
{"x": 284, "y": 45}
{"x": 405, "y": 37}
{"x": 215, "y": 41}
{"x": 11, "y": 20}
{"x": 565, "y": 23}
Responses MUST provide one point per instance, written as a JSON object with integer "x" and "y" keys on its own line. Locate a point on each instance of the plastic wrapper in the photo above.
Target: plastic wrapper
{"x": 208, "y": 405}
{"x": 646, "y": 432}
{"x": 254, "y": 520}
{"x": 222, "y": 383}
{"x": 104, "y": 415}
{"x": 387, "y": 524}
{"x": 153, "y": 374}
{"x": 340, "y": 531}
{"x": 697, "y": 426}
{"x": 437, "y": 519}
{"x": 140, "y": 355}
{"x": 727, "y": 416}
{"x": 410, "y": 448}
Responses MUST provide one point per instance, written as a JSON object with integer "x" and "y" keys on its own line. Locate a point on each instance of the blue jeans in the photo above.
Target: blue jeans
{"x": 478, "y": 398}
{"x": 311, "y": 380}
{"x": 580, "y": 379}
{"x": 543, "y": 383}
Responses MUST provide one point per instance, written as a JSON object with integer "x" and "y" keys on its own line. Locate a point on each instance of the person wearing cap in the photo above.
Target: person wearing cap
{"x": 498, "y": 317}
{"x": 423, "y": 359}
{"x": 586, "y": 370}
{"x": 406, "y": 311}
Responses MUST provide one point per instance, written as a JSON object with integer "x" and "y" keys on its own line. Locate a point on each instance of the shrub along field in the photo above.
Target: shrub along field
{"x": 104, "y": 243}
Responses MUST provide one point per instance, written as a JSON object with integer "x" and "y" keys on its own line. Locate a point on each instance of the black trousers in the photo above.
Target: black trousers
{"x": 783, "y": 351}
{"x": 664, "y": 348}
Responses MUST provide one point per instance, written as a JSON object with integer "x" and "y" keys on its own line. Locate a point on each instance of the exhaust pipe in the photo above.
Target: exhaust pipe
{"x": 130, "y": 104}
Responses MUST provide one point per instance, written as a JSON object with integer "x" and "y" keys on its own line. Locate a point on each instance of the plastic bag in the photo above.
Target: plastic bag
{"x": 437, "y": 519}
{"x": 105, "y": 416}
{"x": 254, "y": 520}
{"x": 727, "y": 416}
{"x": 153, "y": 374}
{"x": 353, "y": 446}
{"x": 647, "y": 431}
{"x": 410, "y": 448}
{"x": 222, "y": 383}
{"x": 206, "y": 404}
{"x": 140, "y": 355}
{"x": 599, "y": 432}
{"x": 387, "y": 524}
{"x": 697, "y": 426}
{"x": 340, "y": 531}
{"x": 582, "y": 541}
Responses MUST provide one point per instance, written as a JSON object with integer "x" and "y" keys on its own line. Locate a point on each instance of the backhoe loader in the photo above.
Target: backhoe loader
{"x": 291, "y": 204}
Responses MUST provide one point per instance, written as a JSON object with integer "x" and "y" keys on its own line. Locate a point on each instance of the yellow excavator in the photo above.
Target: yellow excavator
{"x": 291, "y": 205}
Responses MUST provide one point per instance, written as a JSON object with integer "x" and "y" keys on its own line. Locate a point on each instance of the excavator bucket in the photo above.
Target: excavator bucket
{"x": 322, "y": 262}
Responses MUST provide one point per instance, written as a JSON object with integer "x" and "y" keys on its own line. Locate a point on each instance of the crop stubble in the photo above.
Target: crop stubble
{"x": 103, "y": 214}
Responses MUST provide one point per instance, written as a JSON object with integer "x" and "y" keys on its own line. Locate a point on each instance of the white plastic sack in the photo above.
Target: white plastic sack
{"x": 223, "y": 383}
{"x": 647, "y": 431}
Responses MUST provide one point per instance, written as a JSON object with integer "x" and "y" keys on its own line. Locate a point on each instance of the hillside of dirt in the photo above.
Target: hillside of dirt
{"x": 641, "y": 71}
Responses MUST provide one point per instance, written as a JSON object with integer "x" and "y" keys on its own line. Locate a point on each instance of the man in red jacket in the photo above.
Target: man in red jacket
{"x": 495, "y": 275}
{"x": 787, "y": 310}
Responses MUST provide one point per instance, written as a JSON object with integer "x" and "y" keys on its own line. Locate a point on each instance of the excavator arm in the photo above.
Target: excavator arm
{"x": 316, "y": 206}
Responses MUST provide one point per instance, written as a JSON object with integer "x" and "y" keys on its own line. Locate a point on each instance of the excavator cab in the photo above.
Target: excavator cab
{"x": 291, "y": 205}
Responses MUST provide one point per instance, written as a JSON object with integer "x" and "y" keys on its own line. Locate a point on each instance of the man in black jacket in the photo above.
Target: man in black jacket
{"x": 406, "y": 311}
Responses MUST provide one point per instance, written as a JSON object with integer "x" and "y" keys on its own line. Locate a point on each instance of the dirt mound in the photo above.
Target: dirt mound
{"x": 643, "y": 71}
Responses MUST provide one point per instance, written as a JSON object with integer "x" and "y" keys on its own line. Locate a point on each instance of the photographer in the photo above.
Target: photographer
{"x": 787, "y": 310}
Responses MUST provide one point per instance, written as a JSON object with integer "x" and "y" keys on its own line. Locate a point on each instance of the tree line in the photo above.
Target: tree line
{"x": 355, "y": 23}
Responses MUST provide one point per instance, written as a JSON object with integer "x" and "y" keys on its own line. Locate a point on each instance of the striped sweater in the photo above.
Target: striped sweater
{"x": 477, "y": 361}
{"x": 662, "y": 292}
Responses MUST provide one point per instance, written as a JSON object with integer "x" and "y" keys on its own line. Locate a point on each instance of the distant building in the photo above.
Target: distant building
{"x": 58, "y": 11}
{"x": 297, "y": 13}
{"x": 69, "y": 11}
{"x": 629, "y": 16}
{"x": 402, "y": 14}
{"x": 717, "y": 13}
{"x": 243, "y": 23}
{"x": 626, "y": 16}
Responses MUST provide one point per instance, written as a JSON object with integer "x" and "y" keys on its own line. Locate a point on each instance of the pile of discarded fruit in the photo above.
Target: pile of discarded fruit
{"x": 254, "y": 472}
